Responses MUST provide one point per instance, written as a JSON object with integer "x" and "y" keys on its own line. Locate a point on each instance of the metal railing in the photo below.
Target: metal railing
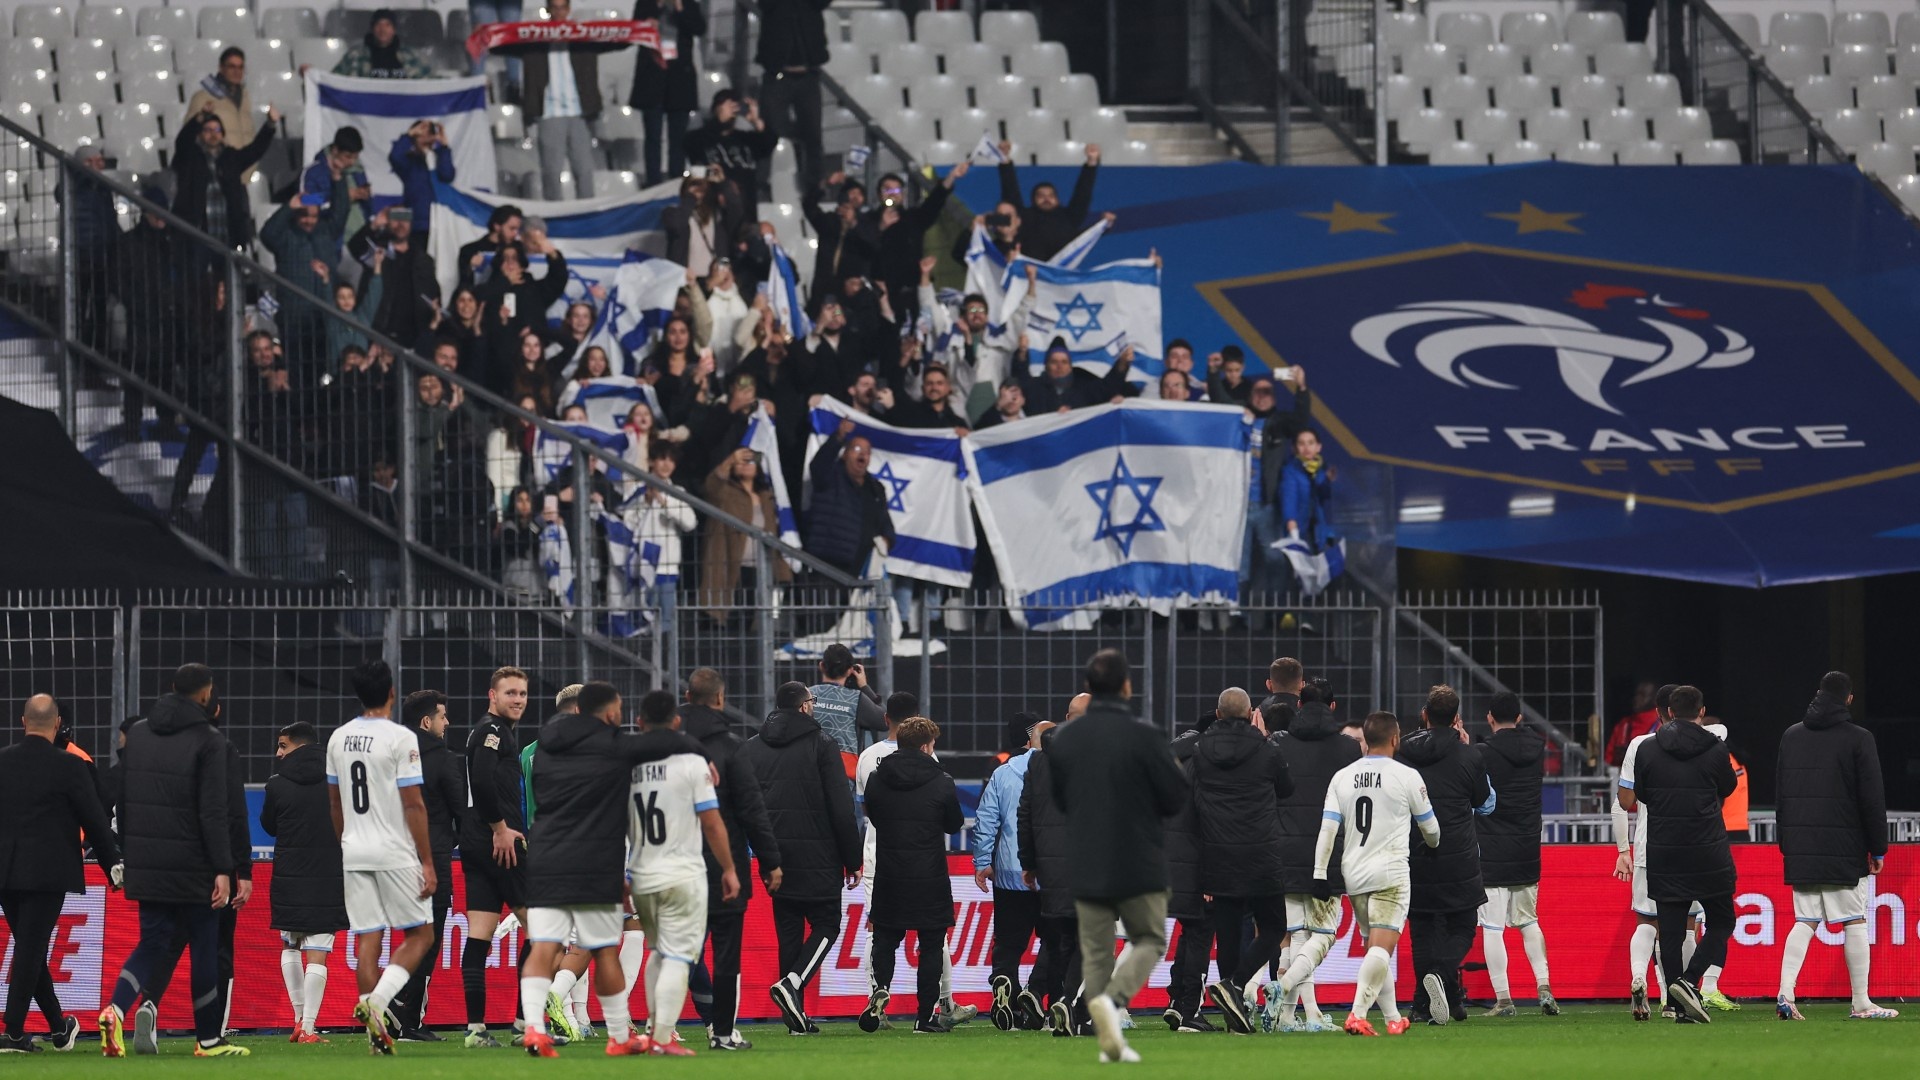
{"x": 1318, "y": 58}
{"x": 1721, "y": 73}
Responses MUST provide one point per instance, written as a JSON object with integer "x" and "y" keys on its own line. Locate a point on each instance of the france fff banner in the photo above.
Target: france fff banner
{"x": 924, "y": 476}
{"x": 383, "y": 110}
{"x": 1140, "y": 502}
{"x": 595, "y": 235}
{"x": 1098, "y": 312}
{"x": 638, "y": 301}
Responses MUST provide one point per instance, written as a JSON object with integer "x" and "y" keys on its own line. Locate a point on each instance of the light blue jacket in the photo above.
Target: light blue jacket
{"x": 996, "y": 824}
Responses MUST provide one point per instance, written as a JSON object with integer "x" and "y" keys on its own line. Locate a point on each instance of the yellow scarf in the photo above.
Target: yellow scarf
{"x": 1312, "y": 465}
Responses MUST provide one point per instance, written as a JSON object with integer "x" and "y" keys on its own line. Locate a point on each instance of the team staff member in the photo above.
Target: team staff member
{"x": 996, "y": 870}
{"x": 743, "y": 810}
{"x": 1043, "y": 866}
{"x": 50, "y": 804}
{"x": 492, "y": 838}
{"x": 444, "y": 788}
{"x": 1447, "y": 889}
{"x": 1187, "y": 905}
{"x": 308, "y": 899}
{"x": 1515, "y": 760}
{"x": 913, "y": 806}
{"x": 845, "y": 704}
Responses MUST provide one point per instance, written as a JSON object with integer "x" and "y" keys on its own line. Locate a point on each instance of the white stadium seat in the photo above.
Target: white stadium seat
{"x": 911, "y": 127}
{"x": 1620, "y": 59}
{"x": 965, "y": 126}
{"x": 1493, "y": 62}
{"x": 1008, "y": 28}
{"x": 319, "y": 52}
{"x": 846, "y": 60}
{"x": 127, "y": 123}
{"x": 92, "y": 85}
{"x": 290, "y": 22}
{"x": 1594, "y": 28}
{"x": 1108, "y": 127}
{"x": 160, "y": 88}
{"x": 1618, "y": 126}
{"x": 101, "y": 21}
{"x": 143, "y": 54}
{"x": 907, "y": 61}
{"x": 1519, "y": 152}
{"x": 1458, "y": 152}
{"x": 1650, "y": 92}
{"x": 1885, "y": 93}
{"x": 1404, "y": 95}
{"x": 1424, "y": 128}
{"x": 1075, "y": 93}
{"x": 1745, "y": 26}
{"x": 1559, "y": 63}
{"x": 1852, "y": 127}
{"x": 1523, "y": 94}
{"x": 1682, "y": 125}
{"x": 941, "y": 153}
{"x": 1460, "y": 94}
{"x": 1649, "y": 152}
{"x": 877, "y": 29}
{"x": 1591, "y": 94}
{"x": 876, "y": 93}
{"x": 1807, "y": 28}
{"x": 1526, "y": 30}
{"x": 175, "y": 23}
{"x": 1041, "y": 61}
{"x": 1006, "y": 94}
{"x": 1129, "y": 152}
{"x": 975, "y": 63}
{"x": 1822, "y": 93}
{"x": 1586, "y": 153}
{"x": 937, "y": 94}
{"x": 54, "y": 22}
{"x": 1430, "y": 61}
{"x": 227, "y": 22}
{"x": 1902, "y": 128}
{"x": 1556, "y": 128}
{"x": 1462, "y": 29}
{"x": 1884, "y": 159}
{"x": 1906, "y": 31}
{"x": 1490, "y": 127}
{"x": 1862, "y": 28}
{"x": 1857, "y": 61}
{"x": 942, "y": 28}
{"x": 80, "y": 53}
{"x": 1403, "y": 30}
{"x": 67, "y": 126}
{"x": 1710, "y": 152}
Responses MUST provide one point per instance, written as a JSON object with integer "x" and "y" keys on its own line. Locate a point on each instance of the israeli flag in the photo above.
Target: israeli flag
{"x": 636, "y": 563}
{"x": 1098, "y": 311}
{"x": 609, "y": 400}
{"x": 556, "y": 562}
{"x": 383, "y": 110}
{"x": 987, "y": 271}
{"x": 639, "y": 300}
{"x": 553, "y": 457}
{"x": 1314, "y": 569}
{"x": 1138, "y": 503}
{"x": 596, "y": 235}
{"x": 783, "y": 293}
{"x": 760, "y": 439}
{"x": 924, "y": 476}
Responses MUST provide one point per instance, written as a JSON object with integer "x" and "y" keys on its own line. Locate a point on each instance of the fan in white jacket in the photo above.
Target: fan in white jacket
{"x": 651, "y": 524}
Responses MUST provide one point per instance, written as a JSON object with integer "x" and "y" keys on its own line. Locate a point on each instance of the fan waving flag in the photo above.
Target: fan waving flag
{"x": 1141, "y": 502}
{"x": 596, "y": 235}
{"x": 924, "y": 476}
{"x": 783, "y": 293}
{"x": 760, "y": 439}
{"x": 638, "y": 303}
{"x": 987, "y": 269}
{"x": 552, "y": 457}
{"x": 1097, "y": 312}
{"x": 609, "y": 400}
{"x": 383, "y": 110}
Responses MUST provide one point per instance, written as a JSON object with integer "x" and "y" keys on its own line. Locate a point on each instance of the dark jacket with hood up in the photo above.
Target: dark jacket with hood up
{"x": 445, "y": 790}
{"x": 913, "y": 806}
{"x": 582, "y": 780}
{"x": 1832, "y": 804}
{"x": 1188, "y": 899}
{"x": 1447, "y": 878}
{"x": 1515, "y": 759}
{"x": 742, "y": 806}
{"x": 173, "y": 807}
{"x": 1314, "y": 749}
{"x": 1043, "y": 835}
{"x": 1117, "y": 780}
{"x": 809, "y": 803}
{"x": 1239, "y": 779}
{"x": 1681, "y": 775}
{"x": 308, "y": 894}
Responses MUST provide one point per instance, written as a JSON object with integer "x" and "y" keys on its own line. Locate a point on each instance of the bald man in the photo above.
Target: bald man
{"x": 49, "y": 801}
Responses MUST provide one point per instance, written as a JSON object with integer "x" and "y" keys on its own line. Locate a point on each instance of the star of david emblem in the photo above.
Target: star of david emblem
{"x": 896, "y": 487}
{"x": 1106, "y": 495}
{"x": 1078, "y": 317}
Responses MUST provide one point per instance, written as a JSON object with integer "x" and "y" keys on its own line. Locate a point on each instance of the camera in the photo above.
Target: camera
{"x": 999, "y": 221}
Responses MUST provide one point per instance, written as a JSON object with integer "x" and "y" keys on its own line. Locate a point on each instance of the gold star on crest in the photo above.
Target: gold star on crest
{"x": 1531, "y": 219}
{"x": 1343, "y": 218}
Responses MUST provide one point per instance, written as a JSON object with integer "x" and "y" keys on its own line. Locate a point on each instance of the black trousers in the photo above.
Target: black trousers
{"x": 675, "y": 123}
{"x": 805, "y": 931}
{"x": 32, "y": 915}
{"x": 1712, "y": 949}
{"x": 790, "y": 101}
{"x": 1189, "y": 974}
{"x": 1016, "y": 914}
{"x": 411, "y": 1005}
{"x": 933, "y": 944}
{"x": 727, "y": 931}
{"x": 1239, "y": 959}
{"x": 227, "y": 920}
{"x": 160, "y": 926}
{"x": 1059, "y": 966}
{"x": 1440, "y": 943}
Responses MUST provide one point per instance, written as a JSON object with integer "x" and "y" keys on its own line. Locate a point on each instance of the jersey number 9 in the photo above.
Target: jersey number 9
{"x": 1363, "y": 817}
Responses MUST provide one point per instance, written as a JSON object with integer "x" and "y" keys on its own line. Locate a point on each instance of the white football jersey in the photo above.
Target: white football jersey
{"x": 862, "y": 772}
{"x": 1376, "y": 802}
{"x": 370, "y": 759}
{"x": 1639, "y": 809}
{"x": 665, "y": 846}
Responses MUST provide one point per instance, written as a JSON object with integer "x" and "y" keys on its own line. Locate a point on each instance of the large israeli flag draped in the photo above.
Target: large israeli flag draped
{"x": 609, "y": 400}
{"x": 760, "y": 439}
{"x": 553, "y": 457}
{"x": 594, "y": 234}
{"x": 1097, "y": 311}
{"x": 1141, "y": 502}
{"x": 924, "y": 476}
{"x": 383, "y": 110}
{"x": 987, "y": 269}
{"x": 639, "y": 300}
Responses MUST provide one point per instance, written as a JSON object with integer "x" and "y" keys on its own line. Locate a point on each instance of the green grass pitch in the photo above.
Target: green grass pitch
{"x": 1587, "y": 1041}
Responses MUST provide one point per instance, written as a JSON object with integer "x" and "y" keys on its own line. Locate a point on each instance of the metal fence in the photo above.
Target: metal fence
{"x": 1727, "y": 77}
{"x": 74, "y": 650}
{"x": 1282, "y": 62}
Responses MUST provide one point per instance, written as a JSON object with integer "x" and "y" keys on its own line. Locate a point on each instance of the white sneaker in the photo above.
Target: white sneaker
{"x": 1436, "y": 1001}
{"x": 1128, "y": 1056}
{"x": 1106, "y": 1028}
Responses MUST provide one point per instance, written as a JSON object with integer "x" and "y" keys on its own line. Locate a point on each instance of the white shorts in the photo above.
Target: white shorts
{"x": 590, "y": 926}
{"x": 308, "y": 942}
{"x": 1642, "y": 905}
{"x": 1510, "y": 905}
{"x": 386, "y": 900}
{"x": 1830, "y": 903}
{"x": 1318, "y": 916}
{"x": 1385, "y": 909}
{"x": 675, "y": 919}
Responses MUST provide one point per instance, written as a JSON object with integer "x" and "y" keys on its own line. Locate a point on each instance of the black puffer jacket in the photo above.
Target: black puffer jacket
{"x": 582, "y": 777}
{"x": 1043, "y": 836}
{"x": 1681, "y": 775}
{"x": 307, "y": 895}
{"x": 1515, "y": 759}
{"x": 444, "y": 786}
{"x": 1314, "y": 750}
{"x": 809, "y": 803}
{"x": 1832, "y": 804}
{"x": 1117, "y": 780}
{"x": 173, "y": 807}
{"x": 742, "y": 806}
{"x": 1238, "y": 782}
{"x": 1447, "y": 878}
{"x": 913, "y": 807}
{"x": 1188, "y": 899}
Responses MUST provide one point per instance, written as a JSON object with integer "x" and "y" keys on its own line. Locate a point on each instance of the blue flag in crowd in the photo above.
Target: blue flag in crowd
{"x": 556, "y": 561}
{"x": 609, "y": 400}
{"x": 924, "y": 475}
{"x": 760, "y": 439}
{"x": 383, "y": 110}
{"x": 783, "y": 293}
{"x": 1098, "y": 312}
{"x": 553, "y": 458}
{"x": 639, "y": 300}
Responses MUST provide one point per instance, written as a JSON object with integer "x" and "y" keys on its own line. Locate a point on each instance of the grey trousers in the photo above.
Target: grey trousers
{"x": 564, "y": 143}
{"x": 1145, "y": 919}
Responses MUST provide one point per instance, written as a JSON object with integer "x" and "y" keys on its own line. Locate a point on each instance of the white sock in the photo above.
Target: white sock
{"x": 1640, "y": 949}
{"x": 613, "y": 1009}
{"x": 1373, "y": 976}
{"x": 563, "y": 981}
{"x": 312, "y": 994}
{"x": 1298, "y": 978}
{"x": 1687, "y": 946}
{"x": 671, "y": 987}
{"x": 291, "y": 972}
{"x": 1793, "y": 957}
{"x": 1534, "y": 941}
{"x": 533, "y": 1002}
{"x": 1494, "y": 944}
{"x": 651, "y": 983}
{"x": 1710, "y": 979}
{"x": 392, "y": 981}
{"x": 1859, "y": 962}
{"x": 577, "y": 1004}
{"x": 1389, "y": 1004}
{"x": 633, "y": 957}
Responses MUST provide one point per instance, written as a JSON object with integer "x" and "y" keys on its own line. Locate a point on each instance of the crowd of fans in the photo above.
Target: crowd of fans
{"x": 324, "y": 391}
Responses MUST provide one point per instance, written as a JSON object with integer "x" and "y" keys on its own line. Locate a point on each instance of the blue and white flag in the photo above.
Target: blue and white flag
{"x": 784, "y": 295}
{"x": 609, "y": 400}
{"x": 383, "y": 110}
{"x": 553, "y": 457}
{"x": 639, "y": 300}
{"x": 1138, "y": 503}
{"x": 596, "y": 235}
{"x": 924, "y": 476}
{"x": 635, "y": 567}
{"x": 1314, "y": 569}
{"x": 761, "y": 440}
{"x": 556, "y": 562}
{"x": 1098, "y": 312}
{"x": 987, "y": 270}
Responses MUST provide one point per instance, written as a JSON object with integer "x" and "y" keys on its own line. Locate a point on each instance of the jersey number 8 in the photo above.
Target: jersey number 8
{"x": 362, "y": 799}
{"x": 653, "y": 820}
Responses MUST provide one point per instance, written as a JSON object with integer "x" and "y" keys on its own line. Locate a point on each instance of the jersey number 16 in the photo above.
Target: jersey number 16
{"x": 653, "y": 820}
